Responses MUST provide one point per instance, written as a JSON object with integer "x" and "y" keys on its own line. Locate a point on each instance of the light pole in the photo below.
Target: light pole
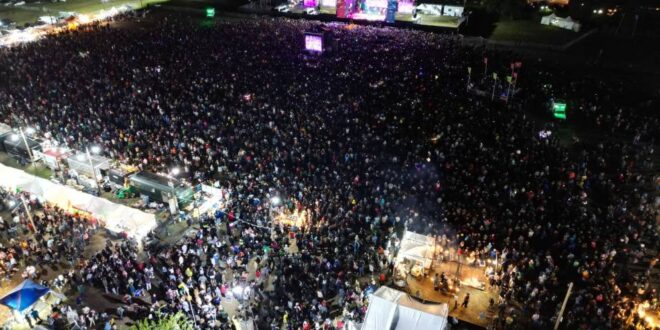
{"x": 21, "y": 135}
{"x": 29, "y": 215}
{"x": 173, "y": 173}
{"x": 95, "y": 150}
{"x": 563, "y": 306}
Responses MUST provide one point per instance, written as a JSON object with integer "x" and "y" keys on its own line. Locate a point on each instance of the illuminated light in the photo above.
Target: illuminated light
{"x": 176, "y": 171}
{"x": 14, "y": 137}
{"x": 296, "y": 218}
{"x": 84, "y": 19}
{"x": 313, "y": 42}
{"x": 12, "y": 204}
{"x": 368, "y": 17}
{"x": 559, "y": 110}
{"x": 80, "y": 157}
{"x": 30, "y": 130}
{"x": 472, "y": 282}
{"x": 275, "y": 200}
{"x": 376, "y": 3}
{"x": 95, "y": 149}
{"x": 210, "y": 12}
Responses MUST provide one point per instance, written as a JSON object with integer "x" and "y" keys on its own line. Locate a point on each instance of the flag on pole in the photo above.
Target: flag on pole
{"x": 494, "y": 75}
{"x": 515, "y": 75}
{"x": 512, "y": 66}
{"x": 518, "y": 64}
{"x": 508, "y": 79}
{"x": 485, "y": 60}
{"x": 469, "y": 70}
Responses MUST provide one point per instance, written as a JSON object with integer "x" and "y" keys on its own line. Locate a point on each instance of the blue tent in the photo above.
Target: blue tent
{"x": 24, "y": 295}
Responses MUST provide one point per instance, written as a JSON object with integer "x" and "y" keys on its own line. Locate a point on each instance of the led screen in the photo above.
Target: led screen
{"x": 313, "y": 42}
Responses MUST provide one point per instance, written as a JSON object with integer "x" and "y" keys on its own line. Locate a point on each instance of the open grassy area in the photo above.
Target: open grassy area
{"x": 532, "y": 31}
{"x": 37, "y": 169}
{"x": 31, "y": 11}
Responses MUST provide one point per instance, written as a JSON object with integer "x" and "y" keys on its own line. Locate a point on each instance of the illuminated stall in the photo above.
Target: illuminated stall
{"x": 114, "y": 217}
{"x": 416, "y": 254}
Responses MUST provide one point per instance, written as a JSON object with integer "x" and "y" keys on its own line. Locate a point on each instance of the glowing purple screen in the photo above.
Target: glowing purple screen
{"x": 313, "y": 42}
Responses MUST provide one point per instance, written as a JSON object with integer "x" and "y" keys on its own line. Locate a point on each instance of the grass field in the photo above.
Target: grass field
{"x": 37, "y": 169}
{"x": 31, "y": 11}
{"x": 532, "y": 31}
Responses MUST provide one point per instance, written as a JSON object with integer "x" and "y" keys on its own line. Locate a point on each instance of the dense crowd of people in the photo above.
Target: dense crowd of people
{"x": 49, "y": 237}
{"x": 379, "y": 135}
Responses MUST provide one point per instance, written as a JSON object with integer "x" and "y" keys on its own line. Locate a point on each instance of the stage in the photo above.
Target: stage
{"x": 478, "y": 311}
{"x": 418, "y": 258}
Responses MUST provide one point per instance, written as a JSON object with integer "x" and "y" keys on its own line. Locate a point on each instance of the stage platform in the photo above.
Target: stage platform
{"x": 328, "y": 14}
{"x": 477, "y": 313}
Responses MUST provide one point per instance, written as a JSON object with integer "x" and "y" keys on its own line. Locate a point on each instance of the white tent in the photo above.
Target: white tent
{"x": 115, "y": 217}
{"x": 416, "y": 247}
{"x": 565, "y": 23}
{"x": 395, "y": 310}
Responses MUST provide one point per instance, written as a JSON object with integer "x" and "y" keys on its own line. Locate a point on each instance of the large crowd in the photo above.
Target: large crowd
{"x": 49, "y": 237}
{"x": 377, "y": 136}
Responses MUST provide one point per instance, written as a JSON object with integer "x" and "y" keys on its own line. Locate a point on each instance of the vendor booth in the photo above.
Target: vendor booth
{"x": 27, "y": 298}
{"x": 82, "y": 163}
{"x": 54, "y": 158}
{"x": 161, "y": 188}
{"x": 565, "y": 23}
{"x": 17, "y": 147}
{"x": 119, "y": 177}
{"x": 395, "y": 310}
{"x": 5, "y": 132}
{"x": 114, "y": 217}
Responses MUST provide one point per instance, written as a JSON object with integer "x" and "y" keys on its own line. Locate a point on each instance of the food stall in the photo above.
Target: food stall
{"x": 82, "y": 164}
{"x": 54, "y": 157}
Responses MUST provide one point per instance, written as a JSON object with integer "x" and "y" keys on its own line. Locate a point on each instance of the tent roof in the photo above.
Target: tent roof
{"x": 416, "y": 246}
{"x": 393, "y": 309}
{"x": 24, "y": 295}
{"x": 115, "y": 217}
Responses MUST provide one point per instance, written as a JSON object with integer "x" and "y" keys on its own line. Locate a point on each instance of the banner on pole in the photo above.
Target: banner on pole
{"x": 469, "y": 70}
{"x": 494, "y": 75}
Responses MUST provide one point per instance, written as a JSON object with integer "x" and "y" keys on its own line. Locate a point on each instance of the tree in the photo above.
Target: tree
{"x": 177, "y": 321}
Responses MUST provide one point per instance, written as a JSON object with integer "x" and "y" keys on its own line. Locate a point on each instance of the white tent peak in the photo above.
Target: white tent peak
{"x": 392, "y": 309}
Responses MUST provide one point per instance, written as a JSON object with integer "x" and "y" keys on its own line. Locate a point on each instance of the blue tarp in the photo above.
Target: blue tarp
{"x": 24, "y": 295}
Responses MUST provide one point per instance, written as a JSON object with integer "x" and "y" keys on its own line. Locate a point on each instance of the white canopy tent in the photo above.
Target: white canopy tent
{"x": 565, "y": 23}
{"x": 115, "y": 217}
{"x": 395, "y": 310}
{"x": 416, "y": 247}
